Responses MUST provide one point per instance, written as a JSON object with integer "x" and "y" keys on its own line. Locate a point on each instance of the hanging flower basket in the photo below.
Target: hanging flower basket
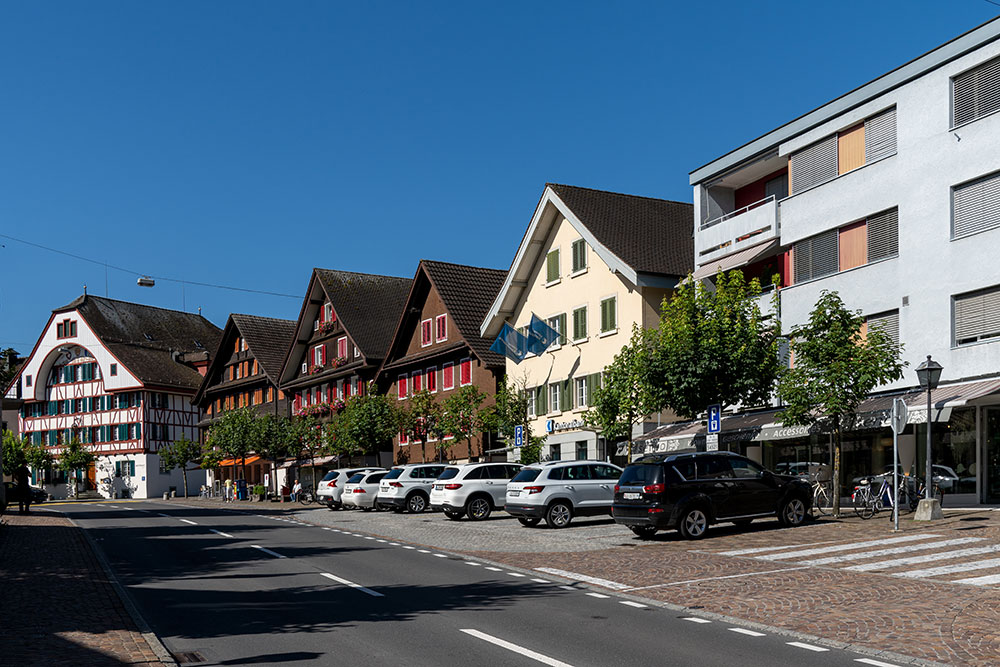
{"x": 316, "y": 410}
{"x": 327, "y": 327}
{"x": 339, "y": 361}
{"x": 315, "y": 368}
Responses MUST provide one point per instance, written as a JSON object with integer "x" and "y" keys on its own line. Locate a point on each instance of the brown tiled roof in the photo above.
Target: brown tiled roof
{"x": 368, "y": 306}
{"x": 467, "y": 293}
{"x": 650, "y": 235}
{"x": 268, "y": 339}
{"x": 146, "y": 339}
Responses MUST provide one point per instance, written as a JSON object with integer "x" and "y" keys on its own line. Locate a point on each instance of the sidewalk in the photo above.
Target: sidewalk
{"x": 59, "y": 608}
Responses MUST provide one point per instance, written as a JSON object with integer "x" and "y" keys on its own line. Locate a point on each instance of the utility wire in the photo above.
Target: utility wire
{"x": 993, "y": 3}
{"x": 146, "y": 275}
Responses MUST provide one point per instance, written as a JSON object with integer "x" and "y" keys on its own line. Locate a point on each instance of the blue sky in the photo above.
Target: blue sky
{"x": 243, "y": 143}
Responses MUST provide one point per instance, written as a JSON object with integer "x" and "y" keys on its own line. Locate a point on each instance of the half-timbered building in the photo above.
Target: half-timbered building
{"x": 437, "y": 347}
{"x": 118, "y": 377}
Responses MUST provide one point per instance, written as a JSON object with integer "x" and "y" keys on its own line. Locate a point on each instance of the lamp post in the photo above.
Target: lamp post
{"x": 929, "y": 373}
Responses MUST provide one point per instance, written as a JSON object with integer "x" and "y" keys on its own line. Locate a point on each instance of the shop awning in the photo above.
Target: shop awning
{"x": 736, "y": 260}
{"x": 235, "y": 462}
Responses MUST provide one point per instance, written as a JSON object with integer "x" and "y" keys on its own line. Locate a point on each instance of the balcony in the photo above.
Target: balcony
{"x": 743, "y": 228}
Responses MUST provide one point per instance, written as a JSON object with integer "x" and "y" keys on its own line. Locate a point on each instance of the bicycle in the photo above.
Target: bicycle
{"x": 867, "y": 502}
{"x": 822, "y": 495}
{"x": 306, "y": 496}
{"x": 922, "y": 491}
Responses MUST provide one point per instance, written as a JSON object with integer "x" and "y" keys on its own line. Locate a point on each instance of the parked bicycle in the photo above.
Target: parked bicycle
{"x": 869, "y": 501}
{"x": 822, "y": 494}
{"x": 307, "y": 496}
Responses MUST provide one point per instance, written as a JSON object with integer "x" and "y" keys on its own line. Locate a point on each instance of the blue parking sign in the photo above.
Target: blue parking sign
{"x": 714, "y": 418}
{"x": 518, "y": 435}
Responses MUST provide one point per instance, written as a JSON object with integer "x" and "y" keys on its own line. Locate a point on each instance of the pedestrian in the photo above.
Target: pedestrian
{"x": 296, "y": 490}
{"x": 228, "y": 496}
{"x": 23, "y": 489}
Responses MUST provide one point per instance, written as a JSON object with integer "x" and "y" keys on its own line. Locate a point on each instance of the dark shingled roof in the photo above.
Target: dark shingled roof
{"x": 467, "y": 293}
{"x": 650, "y": 235}
{"x": 368, "y": 306}
{"x": 268, "y": 339}
{"x": 145, "y": 338}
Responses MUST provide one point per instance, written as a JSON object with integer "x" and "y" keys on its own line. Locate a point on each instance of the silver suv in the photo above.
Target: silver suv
{"x": 331, "y": 487}
{"x": 408, "y": 487}
{"x": 472, "y": 490}
{"x": 559, "y": 490}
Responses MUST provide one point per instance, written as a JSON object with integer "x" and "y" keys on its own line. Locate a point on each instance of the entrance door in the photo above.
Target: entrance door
{"x": 991, "y": 455}
{"x": 91, "y": 477}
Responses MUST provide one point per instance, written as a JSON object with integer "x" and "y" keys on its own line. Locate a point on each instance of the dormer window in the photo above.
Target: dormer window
{"x": 328, "y": 314}
{"x": 66, "y": 329}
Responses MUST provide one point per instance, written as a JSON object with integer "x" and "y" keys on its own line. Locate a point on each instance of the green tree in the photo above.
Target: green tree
{"x": 511, "y": 410}
{"x": 531, "y": 450}
{"x": 184, "y": 450}
{"x": 13, "y": 452}
{"x": 624, "y": 397}
{"x": 308, "y": 437}
{"x": 233, "y": 435}
{"x": 421, "y": 420}
{"x": 10, "y": 363}
{"x": 464, "y": 417}
{"x": 368, "y": 423}
{"x": 836, "y": 367}
{"x": 712, "y": 346}
{"x": 272, "y": 440}
{"x": 74, "y": 457}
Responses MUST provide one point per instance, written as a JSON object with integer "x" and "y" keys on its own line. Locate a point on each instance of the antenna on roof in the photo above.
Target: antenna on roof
{"x": 85, "y": 289}
{"x": 199, "y": 310}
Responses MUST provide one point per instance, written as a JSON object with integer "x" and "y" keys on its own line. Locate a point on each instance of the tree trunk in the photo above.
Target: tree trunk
{"x": 312, "y": 459}
{"x": 836, "y": 467}
{"x": 184, "y": 475}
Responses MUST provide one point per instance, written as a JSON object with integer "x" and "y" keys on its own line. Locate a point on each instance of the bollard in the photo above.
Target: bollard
{"x": 166, "y": 495}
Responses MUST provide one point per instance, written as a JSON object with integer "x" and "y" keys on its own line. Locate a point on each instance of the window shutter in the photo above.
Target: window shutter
{"x": 887, "y": 322}
{"x": 579, "y": 323}
{"x": 138, "y": 433}
{"x": 814, "y": 165}
{"x": 976, "y": 93}
{"x": 566, "y": 395}
{"x": 608, "y": 316}
{"x": 816, "y": 257}
{"x": 541, "y": 399}
{"x": 552, "y": 266}
{"x": 562, "y": 328}
{"x": 880, "y": 135}
{"x": 976, "y": 206}
{"x": 883, "y": 235}
{"x": 579, "y": 255}
{"x": 977, "y": 316}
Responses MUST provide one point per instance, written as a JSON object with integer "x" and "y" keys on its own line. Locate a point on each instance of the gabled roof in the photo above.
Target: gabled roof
{"x": 466, "y": 291}
{"x": 147, "y": 339}
{"x": 268, "y": 339}
{"x": 649, "y": 242}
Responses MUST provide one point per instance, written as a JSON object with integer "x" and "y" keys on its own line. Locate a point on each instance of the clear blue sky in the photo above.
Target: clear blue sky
{"x": 243, "y": 143}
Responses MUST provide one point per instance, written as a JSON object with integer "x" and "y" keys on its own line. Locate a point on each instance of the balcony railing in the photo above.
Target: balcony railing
{"x": 739, "y": 211}
{"x": 742, "y": 228}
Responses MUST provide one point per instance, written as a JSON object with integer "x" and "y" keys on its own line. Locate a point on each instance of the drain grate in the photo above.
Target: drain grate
{"x": 189, "y": 657}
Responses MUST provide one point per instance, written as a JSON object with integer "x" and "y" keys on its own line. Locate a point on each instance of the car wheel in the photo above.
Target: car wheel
{"x": 454, "y": 516}
{"x": 416, "y": 503}
{"x": 559, "y": 514}
{"x": 334, "y": 506}
{"x": 478, "y": 508}
{"x": 792, "y": 513}
{"x": 694, "y": 524}
{"x": 528, "y": 521}
{"x": 644, "y": 532}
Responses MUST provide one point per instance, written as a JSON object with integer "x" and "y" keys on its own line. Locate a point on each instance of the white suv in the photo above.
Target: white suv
{"x": 472, "y": 490}
{"x": 408, "y": 487}
{"x": 331, "y": 487}
{"x": 559, "y": 490}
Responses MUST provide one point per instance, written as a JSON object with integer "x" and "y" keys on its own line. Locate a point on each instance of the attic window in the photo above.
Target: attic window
{"x": 114, "y": 369}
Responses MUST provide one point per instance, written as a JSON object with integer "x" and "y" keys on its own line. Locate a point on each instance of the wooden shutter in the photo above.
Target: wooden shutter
{"x": 976, "y": 93}
{"x": 609, "y": 315}
{"x": 851, "y": 149}
{"x": 887, "y": 322}
{"x": 977, "y": 315}
{"x": 883, "y": 235}
{"x": 814, "y": 165}
{"x": 552, "y": 266}
{"x": 579, "y": 255}
{"x": 880, "y": 135}
{"x": 853, "y": 245}
{"x": 541, "y": 399}
{"x": 976, "y": 206}
{"x": 566, "y": 395}
{"x": 579, "y": 323}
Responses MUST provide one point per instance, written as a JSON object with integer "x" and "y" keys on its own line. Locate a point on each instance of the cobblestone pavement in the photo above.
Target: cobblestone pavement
{"x": 58, "y": 606}
{"x": 840, "y": 580}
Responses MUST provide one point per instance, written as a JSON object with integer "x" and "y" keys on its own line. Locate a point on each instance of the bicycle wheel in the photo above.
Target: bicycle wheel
{"x": 306, "y": 497}
{"x": 864, "y": 503}
{"x": 821, "y": 498}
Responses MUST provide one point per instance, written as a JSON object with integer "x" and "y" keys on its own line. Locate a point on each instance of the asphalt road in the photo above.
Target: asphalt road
{"x": 230, "y": 588}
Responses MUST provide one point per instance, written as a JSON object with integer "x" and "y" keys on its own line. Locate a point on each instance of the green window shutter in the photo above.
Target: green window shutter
{"x": 566, "y": 395}
{"x": 552, "y": 266}
{"x": 579, "y": 323}
{"x": 131, "y": 468}
{"x": 562, "y": 329}
{"x": 541, "y": 400}
{"x": 138, "y": 431}
{"x": 579, "y": 255}
{"x": 593, "y": 382}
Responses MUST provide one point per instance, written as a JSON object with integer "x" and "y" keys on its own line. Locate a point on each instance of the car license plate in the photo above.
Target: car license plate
{"x": 513, "y": 493}
{"x": 631, "y": 496}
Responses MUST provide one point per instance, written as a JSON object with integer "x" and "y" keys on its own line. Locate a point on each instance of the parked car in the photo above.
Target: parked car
{"x": 13, "y": 496}
{"x": 473, "y": 490}
{"x": 361, "y": 489}
{"x": 330, "y": 489}
{"x": 559, "y": 490}
{"x": 689, "y": 492}
{"x": 408, "y": 487}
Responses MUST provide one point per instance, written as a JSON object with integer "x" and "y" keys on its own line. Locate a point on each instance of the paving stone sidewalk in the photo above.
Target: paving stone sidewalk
{"x": 59, "y": 607}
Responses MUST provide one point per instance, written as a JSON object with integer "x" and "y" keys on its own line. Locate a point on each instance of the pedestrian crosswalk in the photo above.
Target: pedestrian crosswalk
{"x": 918, "y": 556}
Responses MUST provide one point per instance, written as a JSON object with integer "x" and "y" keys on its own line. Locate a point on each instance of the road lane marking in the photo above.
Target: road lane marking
{"x": 219, "y": 532}
{"x": 599, "y": 596}
{"x": 568, "y": 588}
{"x": 423, "y": 551}
{"x": 440, "y": 555}
{"x": 808, "y": 647}
{"x": 268, "y": 551}
{"x": 541, "y": 581}
{"x": 980, "y": 581}
{"x": 637, "y": 605}
{"x": 926, "y": 558}
{"x": 469, "y": 562}
{"x": 407, "y": 546}
{"x": 189, "y": 521}
{"x": 750, "y": 633}
{"x": 727, "y": 576}
{"x": 114, "y": 507}
{"x": 359, "y": 587}
{"x": 846, "y": 547}
{"x": 876, "y": 663}
{"x": 166, "y": 515}
{"x": 394, "y": 544}
{"x": 759, "y": 550}
{"x": 695, "y": 619}
{"x": 895, "y": 550}
{"x": 528, "y": 653}
{"x": 369, "y": 537}
{"x": 493, "y": 569}
{"x": 613, "y": 585}
{"x": 382, "y": 541}
{"x": 950, "y": 569}
{"x": 515, "y": 574}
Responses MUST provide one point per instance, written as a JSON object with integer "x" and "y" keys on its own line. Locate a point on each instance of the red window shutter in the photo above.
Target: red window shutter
{"x": 448, "y": 376}
{"x": 442, "y": 327}
{"x": 361, "y": 387}
{"x": 432, "y": 379}
{"x": 401, "y": 386}
{"x": 331, "y": 394}
{"x": 296, "y": 404}
{"x": 347, "y": 390}
{"x": 466, "y": 376}
{"x": 323, "y": 353}
{"x": 322, "y": 315}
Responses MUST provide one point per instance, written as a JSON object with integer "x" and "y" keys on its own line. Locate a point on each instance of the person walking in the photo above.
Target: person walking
{"x": 228, "y": 497}
{"x": 23, "y": 489}
{"x": 296, "y": 490}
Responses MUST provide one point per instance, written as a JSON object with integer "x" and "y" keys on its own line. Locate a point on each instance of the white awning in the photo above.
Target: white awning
{"x": 736, "y": 260}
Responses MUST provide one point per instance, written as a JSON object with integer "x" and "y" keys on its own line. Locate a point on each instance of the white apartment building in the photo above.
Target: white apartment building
{"x": 889, "y": 195}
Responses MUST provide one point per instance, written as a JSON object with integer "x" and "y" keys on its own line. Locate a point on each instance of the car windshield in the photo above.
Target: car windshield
{"x": 357, "y": 477}
{"x": 394, "y": 473}
{"x": 641, "y": 474}
{"x": 330, "y": 475}
{"x": 448, "y": 473}
{"x": 526, "y": 475}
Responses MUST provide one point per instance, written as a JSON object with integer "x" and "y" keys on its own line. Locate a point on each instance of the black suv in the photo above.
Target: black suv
{"x": 691, "y": 491}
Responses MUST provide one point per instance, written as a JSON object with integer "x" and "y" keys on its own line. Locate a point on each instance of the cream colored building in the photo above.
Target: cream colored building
{"x": 591, "y": 264}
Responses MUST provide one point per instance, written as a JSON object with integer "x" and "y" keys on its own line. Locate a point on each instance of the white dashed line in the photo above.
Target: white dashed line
{"x": 394, "y": 544}
{"x": 744, "y": 631}
{"x": 382, "y": 541}
{"x": 327, "y": 528}
{"x": 440, "y": 555}
{"x": 493, "y": 569}
{"x": 423, "y": 551}
{"x": 637, "y": 605}
{"x": 190, "y": 522}
{"x": 114, "y": 507}
{"x": 515, "y": 574}
{"x": 367, "y": 537}
{"x": 599, "y": 596}
{"x": 541, "y": 581}
{"x": 407, "y": 546}
{"x": 876, "y": 663}
{"x": 352, "y": 585}
{"x": 695, "y": 619}
{"x": 469, "y": 562}
{"x": 568, "y": 588}
{"x": 528, "y": 653}
{"x": 268, "y": 551}
{"x": 219, "y": 532}
{"x": 613, "y": 585}
{"x": 808, "y": 647}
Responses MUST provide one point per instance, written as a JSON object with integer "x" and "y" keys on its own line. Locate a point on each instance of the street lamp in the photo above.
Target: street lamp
{"x": 929, "y": 373}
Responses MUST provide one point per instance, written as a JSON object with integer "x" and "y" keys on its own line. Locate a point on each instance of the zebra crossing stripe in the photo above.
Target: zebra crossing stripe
{"x": 950, "y": 569}
{"x": 892, "y": 551}
{"x": 846, "y": 547}
{"x": 759, "y": 550}
{"x": 926, "y": 558}
{"x": 980, "y": 581}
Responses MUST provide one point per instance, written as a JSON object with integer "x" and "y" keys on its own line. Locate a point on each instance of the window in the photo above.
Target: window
{"x": 532, "y": 401}
{"x": 124, "y": 468}
{"x": 317, "y": 356}
{"x": 441, "y": 324}
{"x": 402, "y": 438}
{"x": 887, "y": 322}
{"x": 581, "y": 450}
{"x": 976, "y": 316}
{"x": 426, "y": 330}
{"x": 448, "y": 376}
{"x": 609, "y": 314}
{"x": 357, "y": 352}
{"x": 580, "y": 323}
{"x": 976, "y": 206}
{"x": 114, "y": 370}
{"x": 328, "y": 315}
{"x": 581, "y": 392}
{"x": 975, "y": 93}
{"x": 431, "y": 382}
{"x": 342, "y": 347}
{"x": 579, "y": 255}
{"x": 869, "y": 240}
{"x": 845, "y": 151}
{"x": 27, "y": 380}
{"x": 552, "y": 266}
{"x": 883, "y": 235}
{"x": 417, "y": 381}
{"x": 465, "y": 372}
{"x": 554, "y": 456}
{"x": 816, "y": 257}
{"x": 559, "y": 324}
{"x": 554, "y": 396}
{"x": 401, "y": 392}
